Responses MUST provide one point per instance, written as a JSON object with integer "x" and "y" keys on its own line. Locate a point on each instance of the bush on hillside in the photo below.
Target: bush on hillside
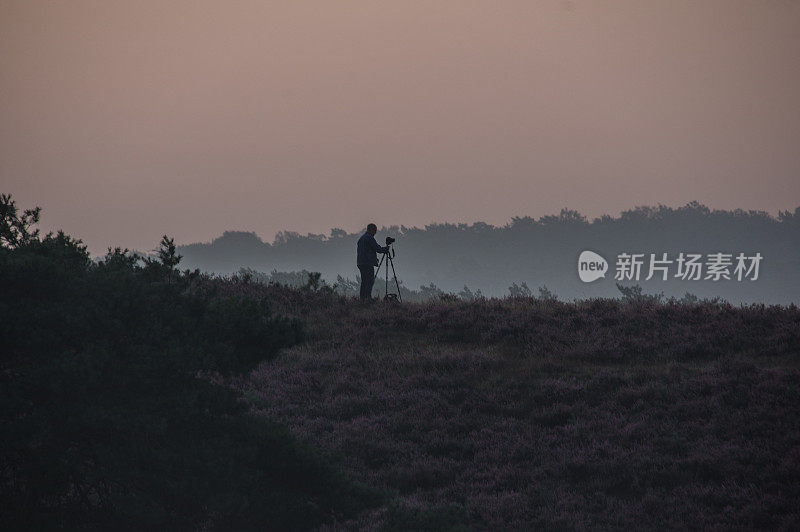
{"x": 104, "y": 422}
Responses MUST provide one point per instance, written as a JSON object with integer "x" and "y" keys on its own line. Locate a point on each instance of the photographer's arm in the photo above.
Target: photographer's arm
{"x": 378, "y": 249}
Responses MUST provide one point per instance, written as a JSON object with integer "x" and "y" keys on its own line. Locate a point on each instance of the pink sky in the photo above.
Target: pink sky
{"x": 128, "y": 120}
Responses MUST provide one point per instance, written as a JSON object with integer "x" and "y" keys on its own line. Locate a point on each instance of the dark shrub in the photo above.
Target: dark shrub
{"x": 103, "y": 421}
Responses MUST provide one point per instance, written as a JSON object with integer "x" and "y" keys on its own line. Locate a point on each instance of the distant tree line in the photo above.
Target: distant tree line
{"x": 539, "y": 252}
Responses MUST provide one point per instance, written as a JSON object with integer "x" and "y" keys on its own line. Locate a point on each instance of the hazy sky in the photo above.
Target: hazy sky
{"x": 125, "y": 120}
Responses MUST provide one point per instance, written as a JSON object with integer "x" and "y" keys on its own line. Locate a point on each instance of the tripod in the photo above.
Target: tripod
{"x": 389, "y": 256}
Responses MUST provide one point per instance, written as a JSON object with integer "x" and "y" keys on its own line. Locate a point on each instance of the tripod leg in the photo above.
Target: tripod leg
{"x": 396, "y": 283}
{"x": 377, "y": 273}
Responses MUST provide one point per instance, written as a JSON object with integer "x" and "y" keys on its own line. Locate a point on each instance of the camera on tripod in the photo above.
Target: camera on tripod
{"x": 389, "y": 256}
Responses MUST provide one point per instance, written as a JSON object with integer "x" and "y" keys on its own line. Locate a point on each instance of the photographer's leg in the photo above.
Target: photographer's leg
{"x": 367, "y": 279}
{"x": 370, "y": 283}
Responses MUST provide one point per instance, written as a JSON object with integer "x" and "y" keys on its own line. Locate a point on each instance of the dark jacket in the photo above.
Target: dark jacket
{"x": 368, "y": 249}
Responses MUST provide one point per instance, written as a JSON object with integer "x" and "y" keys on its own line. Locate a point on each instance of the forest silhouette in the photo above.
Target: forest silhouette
{"x": 541, "y": 253}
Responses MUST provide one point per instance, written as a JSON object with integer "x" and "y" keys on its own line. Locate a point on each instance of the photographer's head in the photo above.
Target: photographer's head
{"x": 372, "y": 229}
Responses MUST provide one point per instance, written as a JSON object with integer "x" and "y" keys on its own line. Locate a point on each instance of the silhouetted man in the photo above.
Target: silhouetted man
{"x": 367, "y": 259}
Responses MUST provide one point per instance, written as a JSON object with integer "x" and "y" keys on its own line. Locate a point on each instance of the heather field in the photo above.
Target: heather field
{"x": 525, "y": 413}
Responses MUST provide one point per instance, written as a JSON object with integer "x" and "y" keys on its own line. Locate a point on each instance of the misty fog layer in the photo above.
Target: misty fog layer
{"x": 544, "y": 252}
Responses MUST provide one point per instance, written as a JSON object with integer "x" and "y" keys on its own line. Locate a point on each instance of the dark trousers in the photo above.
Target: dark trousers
{"x": 367, "y": 280}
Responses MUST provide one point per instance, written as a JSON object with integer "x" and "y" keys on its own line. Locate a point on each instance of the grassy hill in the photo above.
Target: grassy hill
{"x": 520, "y": 413}
{"x": 136, "y": 396}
